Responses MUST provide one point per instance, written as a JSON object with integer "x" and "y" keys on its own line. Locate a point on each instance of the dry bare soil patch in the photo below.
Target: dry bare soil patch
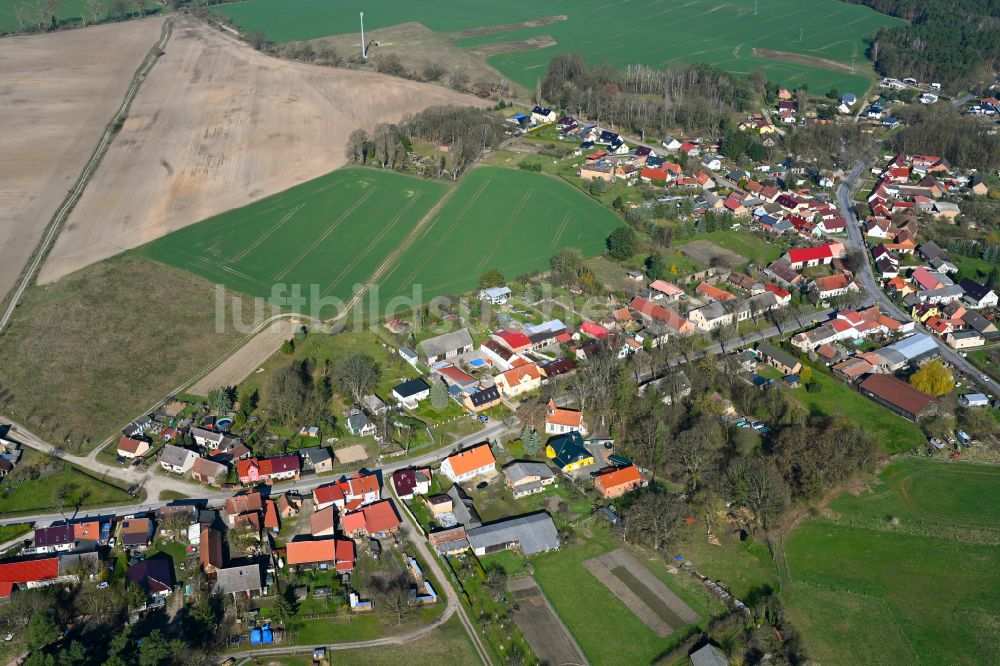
{"x": 547, "y": 635}
{"x": 216, "y": 126}
{"x": 710, "y": 254}
{"x": 57, "y": 94}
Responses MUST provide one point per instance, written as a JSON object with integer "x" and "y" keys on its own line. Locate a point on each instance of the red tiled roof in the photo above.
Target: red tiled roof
{"x": 660, "y": 314}
{"x": 514, "y": 339}
{"x": 803, "y": 254}
{"x": 653, "y": 174}
{"x": 594, "y": 330}
{"x": 26, "y": 572}
{"x": 714, "y": 292}
{"x": 776, "y": 290}
{"x": 897, "y": 392}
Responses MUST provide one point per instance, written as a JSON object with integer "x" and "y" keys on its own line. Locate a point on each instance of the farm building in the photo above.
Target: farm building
{"x": 533, "y": 533}
{"x": 899, "y": 397}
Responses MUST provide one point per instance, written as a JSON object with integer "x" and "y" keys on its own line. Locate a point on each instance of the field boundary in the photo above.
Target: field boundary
{"x": 802, "y": 59}
{"x": 62, "y": 213}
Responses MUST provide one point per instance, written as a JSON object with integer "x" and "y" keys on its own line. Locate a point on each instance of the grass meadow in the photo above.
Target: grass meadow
{"x": 657, "y": 33}
{"x": 69, "y": 12}
{"x": 925, "y": 591}
{"x": 336, "y": 231}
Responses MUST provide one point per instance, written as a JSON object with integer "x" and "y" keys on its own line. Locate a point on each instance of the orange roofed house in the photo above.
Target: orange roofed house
{"x": 349, "y": 494}
{"x": 616, "y": 482}
{"x": 268, "y": 469}
{"x": 378, "y": 518}
{"x": 315, "y": 553}
{"x": 519, "y": 380}
{"x": 559, "y": 421}
{"x": 470, "y": 463}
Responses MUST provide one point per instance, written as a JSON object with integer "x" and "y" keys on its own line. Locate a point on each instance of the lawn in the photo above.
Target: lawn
{"x": 892, "y": 433}
{"x": 9, "y": 532}
{"x": 753, "y": 248}
{"x": 326, "y": 237}
{"x": 20, "y": 493}
{"x": 448, "y": 644}
{"x": 863, "y": 590}
{"x": 722, "y": 34}
{"x": 743, "y": 566}
{"x": 86, "y": 355}
{"x": 576, "y": 593}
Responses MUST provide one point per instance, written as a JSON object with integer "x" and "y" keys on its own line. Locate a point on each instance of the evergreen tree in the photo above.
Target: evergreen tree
{"x": 656, "y": 266}
{"x": 532, "y": 443}
{"x": 439, "y": 395}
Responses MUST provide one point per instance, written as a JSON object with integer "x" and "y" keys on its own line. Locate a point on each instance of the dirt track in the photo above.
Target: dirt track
{"x": 217, "y": 126}
{"x": 57, "y": 94}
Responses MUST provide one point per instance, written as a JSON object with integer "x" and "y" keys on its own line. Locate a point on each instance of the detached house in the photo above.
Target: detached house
{"x": 469, "y": 463}
{"x": 131, "y": 447}
{"x": 374, "y": 519}
{"x": 268, "y": 469}
{"x": 321, "y": 553}
{"x": 177, "y": 460}
{"x": 613, "y": 482}
{"x": 568, "y": 452}
{"x": 518, "y": 380}
{"x": 559, "y": 421}
{"x": 527, "y": 478}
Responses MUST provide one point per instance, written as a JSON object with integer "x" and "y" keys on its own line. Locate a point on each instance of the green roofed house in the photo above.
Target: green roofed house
{"x": 779, "y": 359}
{"x": 568, "y": 452}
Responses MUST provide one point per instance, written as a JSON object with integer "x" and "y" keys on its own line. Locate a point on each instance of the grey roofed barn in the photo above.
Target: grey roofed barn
{"x": 238, "y": 580}
{"x": 447, "y": 345}
{"x": 534, "y": 532}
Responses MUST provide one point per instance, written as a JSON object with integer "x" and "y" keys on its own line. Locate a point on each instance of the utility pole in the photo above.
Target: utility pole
{"x": 801, "y": 30}
{"x": 364, "y": 51}
{"x": 755, "y": 9}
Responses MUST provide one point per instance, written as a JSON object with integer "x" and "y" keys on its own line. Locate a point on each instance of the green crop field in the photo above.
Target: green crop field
{"x": 924, "y": 591}
{"x": 69, "y": 12}
{"x": 499, "y": 218}
{"x": 331, "y": 234}
{"x": 651, "y": 32}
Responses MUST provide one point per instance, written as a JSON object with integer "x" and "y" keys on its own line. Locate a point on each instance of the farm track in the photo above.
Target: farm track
{"x": 58, "y": 220}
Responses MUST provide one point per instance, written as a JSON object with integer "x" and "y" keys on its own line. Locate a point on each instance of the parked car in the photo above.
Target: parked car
{"x": 483, "y": 418}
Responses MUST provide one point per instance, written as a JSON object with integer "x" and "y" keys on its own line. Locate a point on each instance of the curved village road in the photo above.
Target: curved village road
{"x": 878, "y": 296}
{"x": 303, "y": 486}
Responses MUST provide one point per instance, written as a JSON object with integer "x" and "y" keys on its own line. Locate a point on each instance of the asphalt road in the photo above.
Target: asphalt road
{"x": 878, "y": 296}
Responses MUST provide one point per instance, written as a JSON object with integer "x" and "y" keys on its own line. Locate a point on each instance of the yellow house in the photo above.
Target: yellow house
{"x": 518, "y": 380}
{"x": 568, "y": 452}
{"x": 924, "y": 312}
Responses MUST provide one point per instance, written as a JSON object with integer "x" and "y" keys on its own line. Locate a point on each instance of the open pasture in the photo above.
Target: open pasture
{"x": 862, "y": 589}
{"x": 651, "y": 32}
{"x": 339, "y": 230}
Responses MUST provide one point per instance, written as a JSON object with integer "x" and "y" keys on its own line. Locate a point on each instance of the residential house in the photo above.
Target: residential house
{"x": 519, "y": 380}
{"x": 321, "y": 523}
{"x": 527, "y": 478}
{"x": 832, "y": 286}
{"x": 773, "y": 356}
{"x": 798, "y": 258}
{"x": 443, "y": 347}
{"x": 372, "y": 520}
{"x": 243, "y": 582}
{"x": 411, "y": 482}
{"x": 663, "y": 289}
{"x": 268, "y": 470}
{"x": 57, "y": 538}
{"x": 88, "y": 530}
{"x": 568, "y": 452}
{"x": 411, "y": 392}
{"x": 559, "y": 421}
{"x": 206, "y": 471}
{"x": 541, "y": 115}
{"x": 349, "y": 494}
{"x": 708, "y": 655}
{"x": 318, "y": 459}
{"x": 615, "y": 482}
{"x": 657, "y": 313}
{"x": 177, "y": 460}
{"x": 714, "y": 293}
{"x": 495, "y": 295}
{"x": 373, "y": 405}
{"x": 333, "y": 553}
{"x": 533, "y": 533}
{"x": 515, "y": 341}
{"x": 964, "y": 339}
{"x": 358, "y": 424}
{"x": 469, "y": 463}
{"x": 210, "y": 550}
{"x": 155, "y": 576}
{"x": 899, "y": 397}
{"x": 239, "y": 505}
{"x": 481, "y": 398}
{"x": 132, "y": 447}
{"x": 206, "y": 438}
{"x": 977, "y": 296}
{"x": 498, "y": 355}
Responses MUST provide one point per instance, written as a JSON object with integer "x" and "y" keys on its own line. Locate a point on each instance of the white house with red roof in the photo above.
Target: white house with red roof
{"x": 254, "y": 470}
{"x": 662, "y": 289}
{"x": 349, "y": 494}
{"x": 798, "y": 258}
